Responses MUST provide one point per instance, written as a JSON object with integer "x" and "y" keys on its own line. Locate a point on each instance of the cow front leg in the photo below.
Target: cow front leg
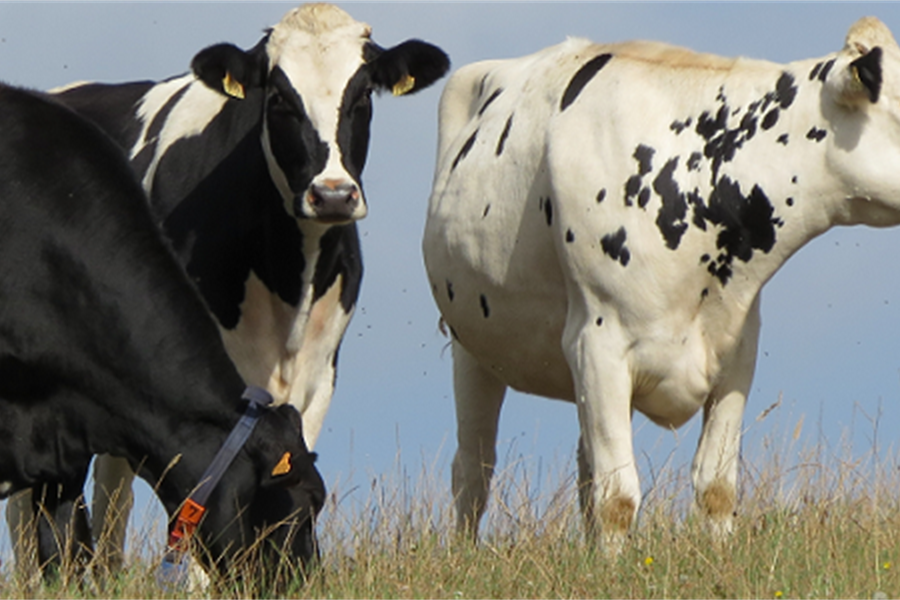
{"x": 111, "y": 507}
{"x": 714, "y": 471}
{"x": 20, "y": 521}
{"x": 314, "y": 410}
{"x": 609, "y": 488}
{"x": 715, "y": 467}
{"x": 63, "y": 534}
{"x": 479, "y": 398}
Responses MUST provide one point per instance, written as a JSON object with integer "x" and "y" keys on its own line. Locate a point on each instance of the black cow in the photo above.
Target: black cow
{"x": 106, "y": 347}
{"x": 252, "y": 164}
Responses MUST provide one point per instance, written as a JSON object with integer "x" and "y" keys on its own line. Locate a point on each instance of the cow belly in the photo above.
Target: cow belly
{"x": 513, "y": 327}
{"x": 672, "y": 379}
{"x": 519, "y": 341}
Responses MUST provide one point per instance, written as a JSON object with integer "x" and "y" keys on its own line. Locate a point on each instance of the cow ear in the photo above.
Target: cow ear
{"x": 860, "y": 82}
{"x": 866, "y": 71}
{"x": 409, "y": 67}
{"x": 288, "y": 462}
{"x": 855, "y": 81}
{"x": 229, "y": 70}
{"x": 289, "y": 470}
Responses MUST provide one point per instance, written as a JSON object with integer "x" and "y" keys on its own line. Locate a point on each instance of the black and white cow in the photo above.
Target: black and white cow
{"x": 252, "y": 164}
{"x": 603, "y": 219}
{"x": 106, "y": 347}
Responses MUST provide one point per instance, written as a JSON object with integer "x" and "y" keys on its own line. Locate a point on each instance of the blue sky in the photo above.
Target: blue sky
{"x": 831, "y": 317}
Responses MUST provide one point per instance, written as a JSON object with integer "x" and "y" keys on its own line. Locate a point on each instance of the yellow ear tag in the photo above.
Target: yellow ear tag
{"x": 232, "y": 87}
{"x": 283, "y": 466}
{"x": 404, "y": 85}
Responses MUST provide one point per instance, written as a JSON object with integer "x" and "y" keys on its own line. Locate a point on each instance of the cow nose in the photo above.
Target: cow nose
{"x": 333, "y": 201}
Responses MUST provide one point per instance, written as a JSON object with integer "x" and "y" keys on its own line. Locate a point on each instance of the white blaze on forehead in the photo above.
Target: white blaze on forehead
{"x": 319, "y": 47}
{"x": 316, "y": 19}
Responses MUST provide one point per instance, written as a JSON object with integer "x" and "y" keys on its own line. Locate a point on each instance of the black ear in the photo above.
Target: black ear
{"x": 867, "y": 70}
{"x": 230, "y": 70}
{"x": 409, "y": 67}
{"x": 288, "y": 461}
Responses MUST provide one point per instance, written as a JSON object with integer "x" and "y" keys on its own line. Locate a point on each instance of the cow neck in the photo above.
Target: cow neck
{"x": 157, "y": 354}
{"x": 806, "y": 204}
{"x": 175, "y": 466}
{"x": 222, "y": 152}
{"x": 226, "y": 219}
{"x": 194, "y": 507}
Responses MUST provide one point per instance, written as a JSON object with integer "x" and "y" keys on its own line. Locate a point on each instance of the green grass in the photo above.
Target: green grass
{"x": 815, "y": 528}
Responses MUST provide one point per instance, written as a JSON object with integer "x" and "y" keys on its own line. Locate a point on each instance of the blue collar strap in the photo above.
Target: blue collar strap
{"x": 193, "y": 508}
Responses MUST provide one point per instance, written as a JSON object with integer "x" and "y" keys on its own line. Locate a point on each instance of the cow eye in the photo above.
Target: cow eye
{"x": 276, "y": 102}
{"x": 363, "y": 101}
{"x": 283, "y": 106}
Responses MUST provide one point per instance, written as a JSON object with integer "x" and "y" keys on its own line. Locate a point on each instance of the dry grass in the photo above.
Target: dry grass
{"x": 811, "y": 525}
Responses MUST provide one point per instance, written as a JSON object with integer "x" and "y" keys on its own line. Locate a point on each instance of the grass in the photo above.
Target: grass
{"x": 811, "y": 528}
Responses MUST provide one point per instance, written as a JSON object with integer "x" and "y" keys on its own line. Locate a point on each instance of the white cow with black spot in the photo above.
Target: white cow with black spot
{"x": 603, "y": 220}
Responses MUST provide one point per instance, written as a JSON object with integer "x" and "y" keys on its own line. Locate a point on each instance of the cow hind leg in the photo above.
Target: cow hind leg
{"x": 479, "y": 398}
{"x": 112, "y": 504}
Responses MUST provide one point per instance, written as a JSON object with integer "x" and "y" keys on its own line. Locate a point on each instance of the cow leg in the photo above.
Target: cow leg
{"x": 63, "y": 532}
{"x": 585, "y": 484}
{"x": 20, "y": 521}
{"x": 609, "y": 488}
{"x": 112, "y": 503}
{"x": 479, "y": 398}
{"x": 714, "y": 471}
{"x": 715, "y": 466}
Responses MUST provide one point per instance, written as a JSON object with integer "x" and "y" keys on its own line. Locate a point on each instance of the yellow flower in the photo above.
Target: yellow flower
{"x": 886, "y": 565}
{"x": 779, "y": 594}
{"x": 648, "y": 561}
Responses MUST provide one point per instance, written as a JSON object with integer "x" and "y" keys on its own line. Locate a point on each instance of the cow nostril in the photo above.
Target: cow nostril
{"x": 333, "y": 201}
{"x": 322, "y": 195}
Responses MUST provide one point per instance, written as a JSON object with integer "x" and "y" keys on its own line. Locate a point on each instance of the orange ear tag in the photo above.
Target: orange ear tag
{"x": 283, "y": 466}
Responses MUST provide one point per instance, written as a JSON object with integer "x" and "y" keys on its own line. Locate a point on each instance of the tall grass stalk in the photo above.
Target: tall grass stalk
{"x": 813, "y": 522}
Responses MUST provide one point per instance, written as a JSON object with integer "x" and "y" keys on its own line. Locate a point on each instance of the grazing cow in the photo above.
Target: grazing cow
{"x": 106, "y": 347}
{"x": 603, "y": 219}
{"x": 252, "y": 165}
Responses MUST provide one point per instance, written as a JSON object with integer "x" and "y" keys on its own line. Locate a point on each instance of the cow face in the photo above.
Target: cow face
{"x": 279, "y": 491}
{"x": 317, "y": 69}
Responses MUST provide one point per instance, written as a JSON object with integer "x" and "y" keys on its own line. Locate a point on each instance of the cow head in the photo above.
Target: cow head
{"x": 273, "y": 498}
{"x": 317, "y": 69}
